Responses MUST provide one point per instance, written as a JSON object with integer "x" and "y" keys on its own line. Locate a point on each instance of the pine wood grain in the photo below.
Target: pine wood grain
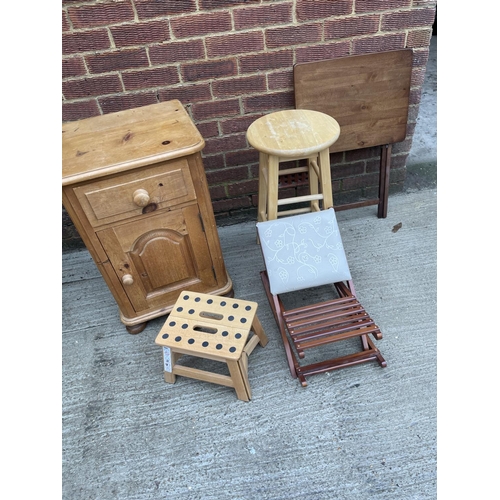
{"x": 367, "y": 94}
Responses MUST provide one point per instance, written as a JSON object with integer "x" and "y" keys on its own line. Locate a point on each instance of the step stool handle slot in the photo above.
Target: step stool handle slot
{"x": 211, "y": 315}
{"x": 205, "y": 329}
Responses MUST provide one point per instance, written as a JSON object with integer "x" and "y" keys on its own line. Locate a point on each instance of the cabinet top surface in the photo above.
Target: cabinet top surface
{"x": 121, "y": 141}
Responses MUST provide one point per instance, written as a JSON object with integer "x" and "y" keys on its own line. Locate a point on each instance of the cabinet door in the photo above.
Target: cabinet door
{"x": 159, "y": 256}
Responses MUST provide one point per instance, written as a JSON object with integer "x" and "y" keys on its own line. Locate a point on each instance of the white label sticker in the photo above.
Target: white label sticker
{"x": 167, "y": 359}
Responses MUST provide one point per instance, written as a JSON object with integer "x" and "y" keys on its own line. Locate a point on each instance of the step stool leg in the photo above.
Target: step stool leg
{"x": 243, "y": 362}
{"x": 239, "y": 376}
{"x": 169, "y": 360}
{"x": 259, "y": 331}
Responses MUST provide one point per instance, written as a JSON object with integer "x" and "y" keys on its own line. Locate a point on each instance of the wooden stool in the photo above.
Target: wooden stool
{"x": 211, "y": 327}
{"x": 293, "y": 134}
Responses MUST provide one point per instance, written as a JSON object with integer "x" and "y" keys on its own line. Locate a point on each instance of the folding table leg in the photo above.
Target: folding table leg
{"x": 383, "y": 189}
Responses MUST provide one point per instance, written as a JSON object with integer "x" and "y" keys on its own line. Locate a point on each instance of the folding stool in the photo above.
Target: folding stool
{"x": 306, "y": 251}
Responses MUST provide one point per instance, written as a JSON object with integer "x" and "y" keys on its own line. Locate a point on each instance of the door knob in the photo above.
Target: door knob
{"x": 127, "y": 279}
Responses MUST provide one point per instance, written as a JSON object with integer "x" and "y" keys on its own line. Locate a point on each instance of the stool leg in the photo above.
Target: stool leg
{"x": 326, "y": 178}
{"x": 243, "y": 363}
{"x": 259, "y": 331}
{"x": 313, "y": 183}
{"x": 169, "y": 360}
{"x": 272, "y": 187}
{"x": 262, "y": 201}
{"x": 239, "y": 376}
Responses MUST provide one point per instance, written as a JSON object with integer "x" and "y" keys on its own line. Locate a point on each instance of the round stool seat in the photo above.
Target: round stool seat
{"x": 293, "y": 133}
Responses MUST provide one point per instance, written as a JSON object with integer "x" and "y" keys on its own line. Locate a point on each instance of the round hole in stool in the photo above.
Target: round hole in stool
{"x": 232, "y": 349}
{"x": 218, "y": 346}
{"x": 205, "y": 344}
{"x": 178, "y": 339}
{"x": 225, "y": 333}
{"x": 191, "y": 341}
{"x": 164, "y": 336}
{"x": 238, "y": 336}
{"x": 172, "y": 323}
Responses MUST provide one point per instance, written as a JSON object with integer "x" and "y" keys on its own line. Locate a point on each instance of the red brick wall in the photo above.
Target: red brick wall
{"x": 229, "y": 62}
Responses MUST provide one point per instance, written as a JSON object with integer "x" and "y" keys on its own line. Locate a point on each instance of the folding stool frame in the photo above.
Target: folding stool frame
{"x": 305, "y": 252}
{"x": 322, "y": 323}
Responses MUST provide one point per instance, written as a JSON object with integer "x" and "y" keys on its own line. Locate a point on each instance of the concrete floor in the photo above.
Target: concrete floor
{"x": 359, "y": 433}
{"x": 363, "y": 432}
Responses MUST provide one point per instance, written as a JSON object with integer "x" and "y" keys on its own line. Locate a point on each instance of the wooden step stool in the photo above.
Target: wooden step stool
{"x": 211, "y": 327}
{"x": 294, "y": 134}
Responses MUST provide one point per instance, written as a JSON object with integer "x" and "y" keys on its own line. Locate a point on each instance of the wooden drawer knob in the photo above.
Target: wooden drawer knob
{"x": 127, "y": 279}
{"x": 141, "y": 197}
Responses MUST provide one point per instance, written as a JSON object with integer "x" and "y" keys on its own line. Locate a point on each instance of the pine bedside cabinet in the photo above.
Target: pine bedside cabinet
{"x": 135, "y": 188}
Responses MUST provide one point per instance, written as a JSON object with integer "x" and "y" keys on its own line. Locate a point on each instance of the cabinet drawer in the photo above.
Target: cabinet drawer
{"x": 141, "y": 191}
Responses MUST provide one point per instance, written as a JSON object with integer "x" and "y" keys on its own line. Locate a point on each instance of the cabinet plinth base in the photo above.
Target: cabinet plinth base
{"x": 135, "y": 329}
